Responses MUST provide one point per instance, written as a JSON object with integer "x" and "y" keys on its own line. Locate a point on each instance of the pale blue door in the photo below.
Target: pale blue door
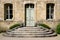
{"x": 30, "y": 17}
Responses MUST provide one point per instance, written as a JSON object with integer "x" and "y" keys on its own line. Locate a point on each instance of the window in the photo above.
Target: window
{"x": 8, "y": 11}
{"x": 29, "y": 5}
{"x": 49, "y": 11}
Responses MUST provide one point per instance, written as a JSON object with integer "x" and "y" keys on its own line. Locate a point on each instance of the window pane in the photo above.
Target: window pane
{"x": 51, "y": 16}
{"x": 10, "y": 6}
{"x": 11, "y": 16}
{"x": 10, "y": 12}
{"x": 31, "y": 5}
{"x": 6, "y": 16}
{"x": 52, "y": 10}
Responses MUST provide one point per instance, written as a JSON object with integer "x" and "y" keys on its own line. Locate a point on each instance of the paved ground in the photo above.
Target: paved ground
{"x": 17, "y": 38}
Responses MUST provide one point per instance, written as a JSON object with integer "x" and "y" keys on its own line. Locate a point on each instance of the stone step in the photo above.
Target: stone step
{"x": 30, "y": 32}
{"x": 32, "y": 28}
{"x": 38, "y": 30}
{"x": 21, "y": 35}
{"x": 53, "y": 34}
{"x": 25, "y": 35}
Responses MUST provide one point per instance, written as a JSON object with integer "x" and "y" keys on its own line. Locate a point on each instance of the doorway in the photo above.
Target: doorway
{"x": 29, "y": 15}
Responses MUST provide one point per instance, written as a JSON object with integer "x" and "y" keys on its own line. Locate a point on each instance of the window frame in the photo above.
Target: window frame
{"x": 50, "y": 12}
{"x": 7, "y": 16}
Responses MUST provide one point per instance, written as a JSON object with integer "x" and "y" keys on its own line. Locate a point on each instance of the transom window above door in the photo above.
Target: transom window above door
{"x": 29, "y": 5}
{"x": 8, "y": 11}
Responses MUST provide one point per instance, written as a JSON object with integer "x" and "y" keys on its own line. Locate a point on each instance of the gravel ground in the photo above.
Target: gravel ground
{"x": 41, "y": 38}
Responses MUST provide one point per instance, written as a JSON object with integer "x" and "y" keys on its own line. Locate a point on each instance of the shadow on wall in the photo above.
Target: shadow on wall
{"x": 3, "y": 28}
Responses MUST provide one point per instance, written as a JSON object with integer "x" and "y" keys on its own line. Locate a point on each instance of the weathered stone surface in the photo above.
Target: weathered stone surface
{"x": 40, "y": 11}
{"x": 31, "y": 32}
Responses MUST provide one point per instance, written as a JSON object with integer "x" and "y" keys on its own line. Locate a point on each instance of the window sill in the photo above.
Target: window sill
{"x": 50, "y": 20}
{"x": 9, "y": 20}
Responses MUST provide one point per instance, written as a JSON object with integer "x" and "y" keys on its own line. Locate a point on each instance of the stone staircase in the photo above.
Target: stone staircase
{"x": 30, "y": 32}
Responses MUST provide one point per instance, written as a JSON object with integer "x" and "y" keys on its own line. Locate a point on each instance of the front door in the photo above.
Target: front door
{"x": 30, "y": 16}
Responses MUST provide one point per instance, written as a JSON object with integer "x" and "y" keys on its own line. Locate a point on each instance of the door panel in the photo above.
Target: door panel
{"x": 30, "y": 17}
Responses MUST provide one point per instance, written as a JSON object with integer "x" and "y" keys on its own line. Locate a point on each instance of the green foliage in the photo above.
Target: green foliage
{"x": 44, "y": 25}
{"x": 15, "y": 25}
{"x": 58, "y": 29}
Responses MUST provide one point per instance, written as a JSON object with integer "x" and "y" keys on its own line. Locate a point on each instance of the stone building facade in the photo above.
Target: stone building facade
{"x": 29, "y": 12}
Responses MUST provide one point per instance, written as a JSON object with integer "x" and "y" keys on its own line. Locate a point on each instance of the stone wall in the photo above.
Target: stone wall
{"x": 19, "y": 11}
